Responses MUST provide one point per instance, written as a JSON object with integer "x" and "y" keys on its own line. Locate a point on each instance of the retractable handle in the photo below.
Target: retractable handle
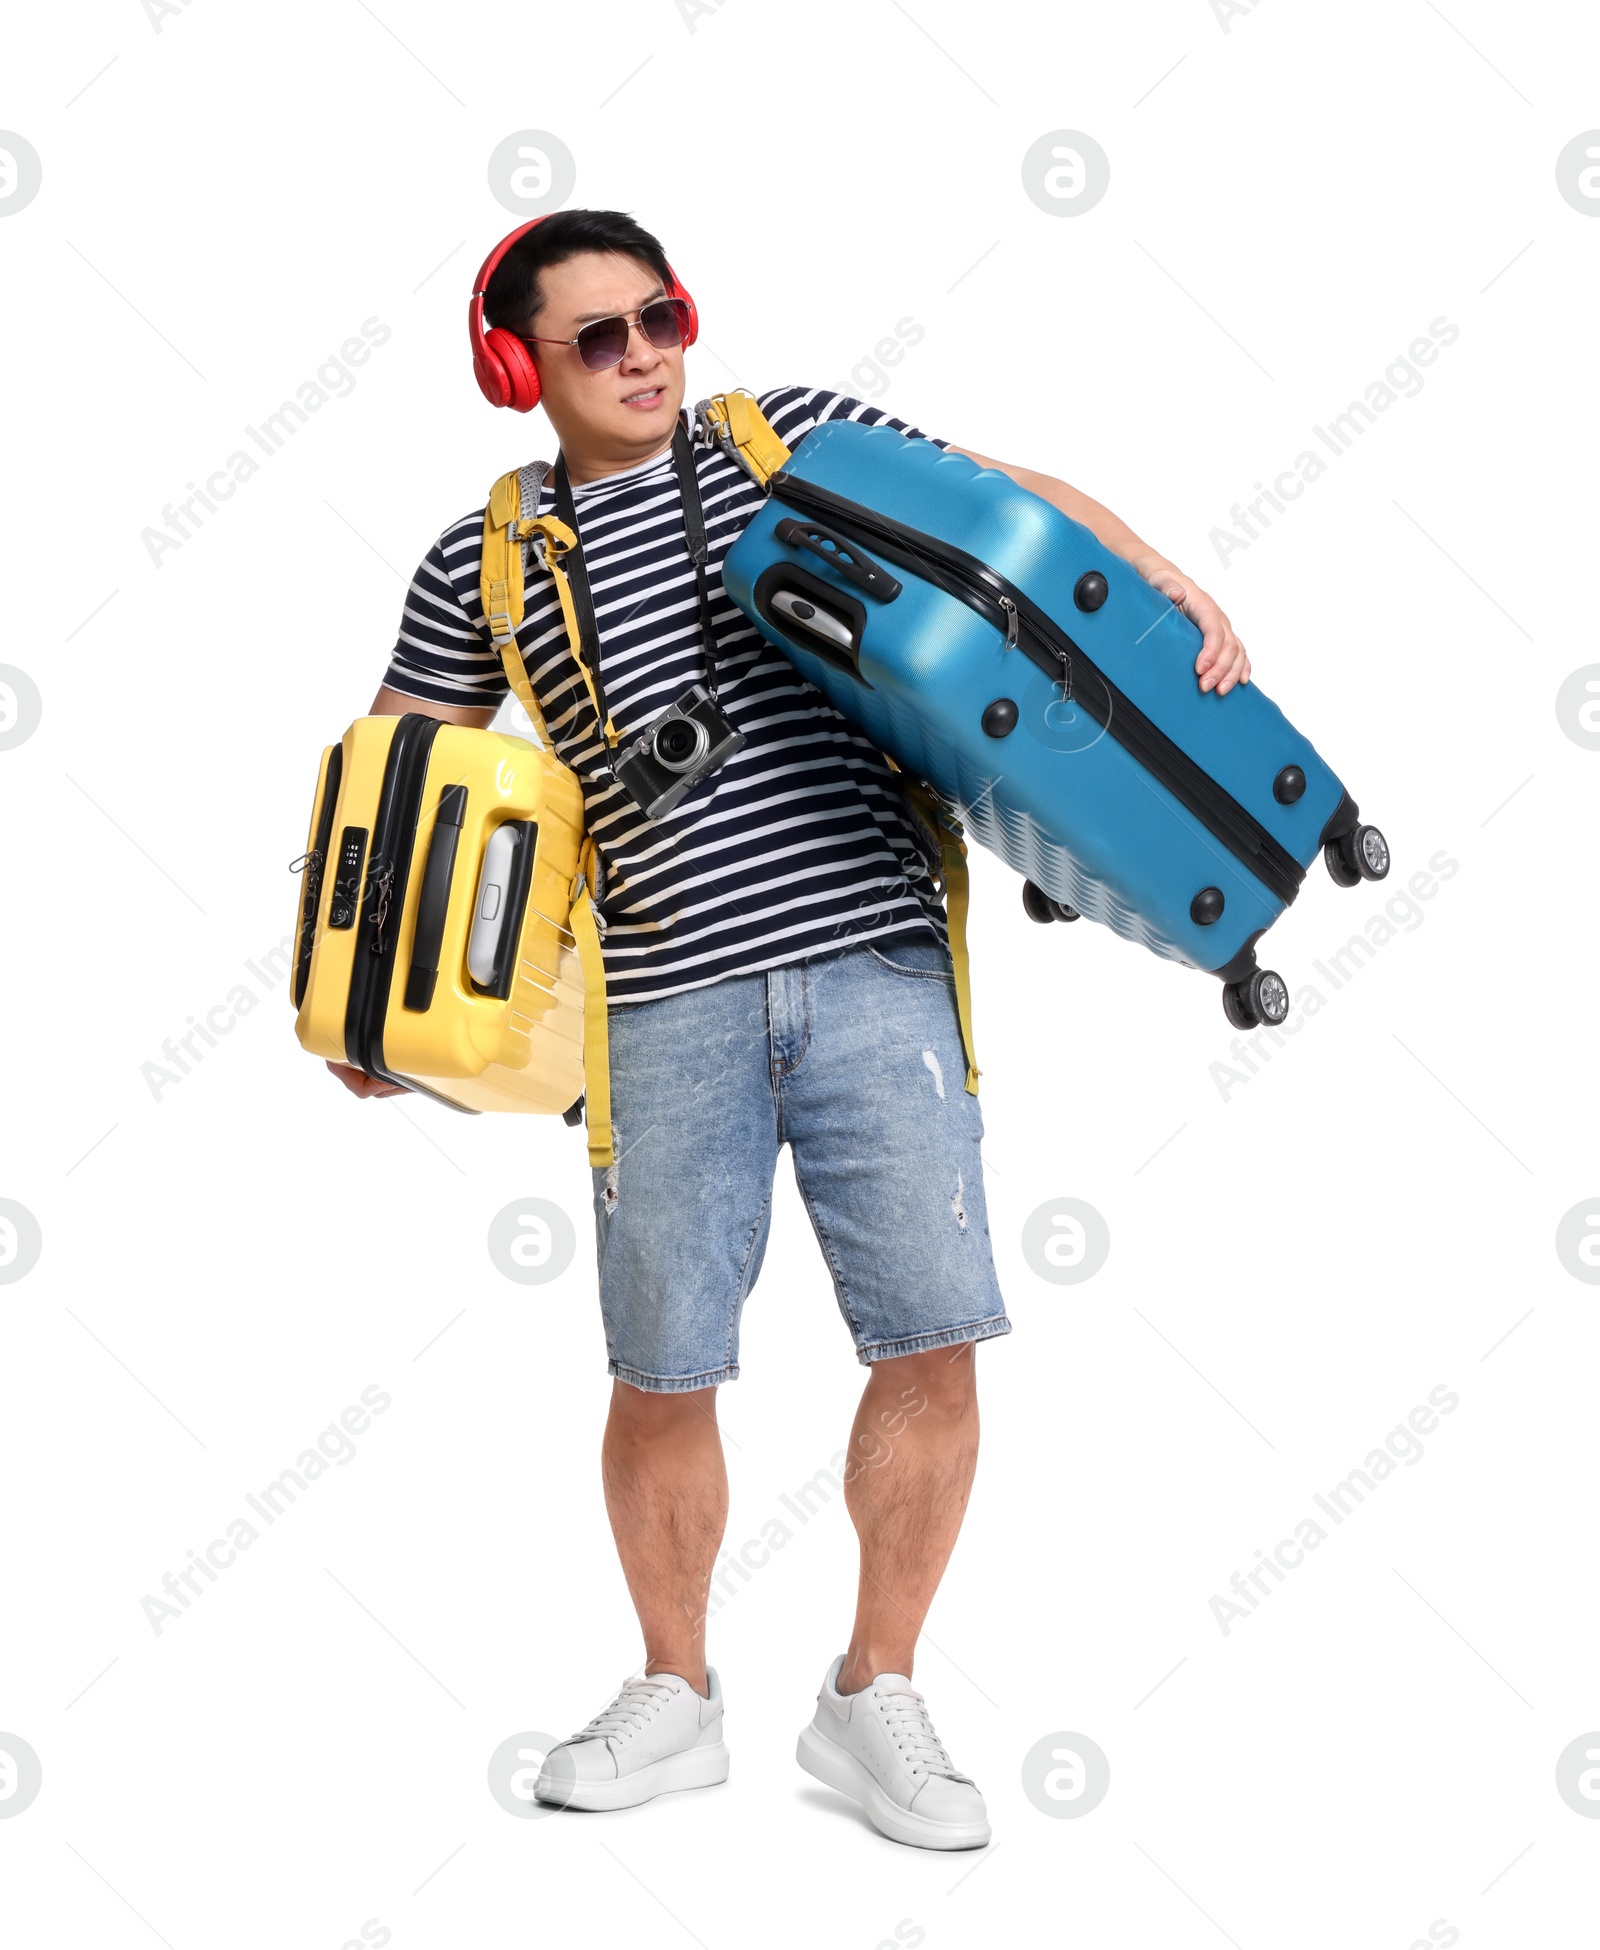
{"x": 849, "y": 558}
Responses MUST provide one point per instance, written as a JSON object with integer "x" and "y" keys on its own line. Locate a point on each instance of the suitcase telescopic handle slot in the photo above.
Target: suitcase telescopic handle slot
{"x": 435, "y": 902}
{"x": 857, "y": 567}
{"x": 505, "y": 882}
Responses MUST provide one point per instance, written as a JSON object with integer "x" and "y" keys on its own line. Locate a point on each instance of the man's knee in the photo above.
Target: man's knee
{"x": 650, "y": 1415}
{"x": 942, "y": 1380}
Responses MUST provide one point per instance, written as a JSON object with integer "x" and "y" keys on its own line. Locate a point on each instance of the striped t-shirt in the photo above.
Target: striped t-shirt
{"x": 799, "y": 844}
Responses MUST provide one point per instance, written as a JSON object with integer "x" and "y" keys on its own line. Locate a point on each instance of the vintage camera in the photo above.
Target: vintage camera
{"x": 687, "y": 743}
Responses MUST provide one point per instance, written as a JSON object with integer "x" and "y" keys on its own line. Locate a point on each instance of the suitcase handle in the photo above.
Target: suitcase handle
{"x": 501, "y": 907}
{"x": 435, "y": 902}
{"x": 846, "y": 556}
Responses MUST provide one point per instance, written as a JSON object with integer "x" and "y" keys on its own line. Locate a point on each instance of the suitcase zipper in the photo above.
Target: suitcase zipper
{"x": 1026, "y": 627}
{"x": 394, "y": 828}
{"x": 314, "y": 863}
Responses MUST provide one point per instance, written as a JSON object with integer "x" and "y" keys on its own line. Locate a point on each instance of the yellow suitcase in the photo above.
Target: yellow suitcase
{"x": 447, "y": 938}
{"x": 435, "y": 946}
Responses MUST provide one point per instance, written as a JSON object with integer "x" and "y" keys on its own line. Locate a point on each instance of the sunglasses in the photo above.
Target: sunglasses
{"x": 604, "y": 341}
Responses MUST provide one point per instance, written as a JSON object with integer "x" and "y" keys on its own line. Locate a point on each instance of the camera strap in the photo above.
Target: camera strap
{"x": 587, "y": 648}
{"x": 694, "y": 533}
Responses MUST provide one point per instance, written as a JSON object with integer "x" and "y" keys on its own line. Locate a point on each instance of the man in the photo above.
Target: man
{"x": 778, "y": 970}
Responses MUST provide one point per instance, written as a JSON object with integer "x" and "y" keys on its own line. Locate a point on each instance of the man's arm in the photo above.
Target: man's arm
{"x": 1222, "y": 661}
{"x": 395, "y": 704}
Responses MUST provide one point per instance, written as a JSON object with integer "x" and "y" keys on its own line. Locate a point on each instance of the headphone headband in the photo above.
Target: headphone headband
{"x": 486, "y": 270}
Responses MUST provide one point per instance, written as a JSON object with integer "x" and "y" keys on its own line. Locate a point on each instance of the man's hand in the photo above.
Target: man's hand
{"x": 359, "y": 1084}
{"x": 1223, "y": 661}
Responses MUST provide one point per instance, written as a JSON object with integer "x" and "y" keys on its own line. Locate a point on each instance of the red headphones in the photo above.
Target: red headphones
{"x": 503, "y": 363}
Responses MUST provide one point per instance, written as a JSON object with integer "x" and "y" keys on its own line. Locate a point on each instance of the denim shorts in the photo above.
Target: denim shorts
{"x": 854, "y": 1060}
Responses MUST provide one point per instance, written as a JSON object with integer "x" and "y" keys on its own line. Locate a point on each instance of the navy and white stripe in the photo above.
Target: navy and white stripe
{"x": 799, "y": 844}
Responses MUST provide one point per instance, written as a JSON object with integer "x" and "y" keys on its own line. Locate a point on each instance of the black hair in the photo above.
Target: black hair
{"x": 513, "y": 296}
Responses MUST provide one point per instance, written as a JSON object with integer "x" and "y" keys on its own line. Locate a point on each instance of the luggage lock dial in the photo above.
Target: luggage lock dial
{"x": 347, "y": 878}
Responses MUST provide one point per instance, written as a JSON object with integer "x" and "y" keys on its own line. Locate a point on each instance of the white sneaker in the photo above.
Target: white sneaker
{"x": 657, "y": 1735}
{"x": 879, "y": 1747}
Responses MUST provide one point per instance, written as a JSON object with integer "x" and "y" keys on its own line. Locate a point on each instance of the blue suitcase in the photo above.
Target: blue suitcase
{"x": 997, "y": 651}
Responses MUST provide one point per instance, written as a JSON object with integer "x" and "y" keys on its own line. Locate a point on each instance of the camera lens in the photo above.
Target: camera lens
{"x": 679, "y": 742}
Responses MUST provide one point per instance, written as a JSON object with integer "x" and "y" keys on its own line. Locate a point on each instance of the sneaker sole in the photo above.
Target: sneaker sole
{"x": 696, "y": 1767}
{"x": 837, "y": 1769}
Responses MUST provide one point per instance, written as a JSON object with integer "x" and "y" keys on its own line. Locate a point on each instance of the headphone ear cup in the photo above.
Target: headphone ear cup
{"x": 513, "y": 378}
{"x": 491, "y": 378}
{"x": 678, "y": 291}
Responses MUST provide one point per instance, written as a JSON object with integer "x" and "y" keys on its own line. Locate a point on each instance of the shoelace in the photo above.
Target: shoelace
{"x": 628, "y": 1712}
{"x": 905, "y": 1713}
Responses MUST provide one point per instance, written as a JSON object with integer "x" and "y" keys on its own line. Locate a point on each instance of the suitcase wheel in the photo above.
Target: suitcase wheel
{"x": 1040, "y": 907}
{"x": 1261, "y": 998}
{"x": 1361, "y": 854}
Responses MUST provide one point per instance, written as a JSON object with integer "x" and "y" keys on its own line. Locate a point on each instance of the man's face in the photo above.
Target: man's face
{"x": 627, "y": 408}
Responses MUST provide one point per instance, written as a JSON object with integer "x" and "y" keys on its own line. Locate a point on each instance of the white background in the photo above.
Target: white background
{"x": 1296, "y": 1260}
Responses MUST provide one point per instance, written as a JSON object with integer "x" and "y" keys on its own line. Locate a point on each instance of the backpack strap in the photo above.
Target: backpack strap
{"x": 507, "y": 534}
{"x": 739, "y": 427}
{"x": 596, "y": 1047}
{"x": 953, "y": 871}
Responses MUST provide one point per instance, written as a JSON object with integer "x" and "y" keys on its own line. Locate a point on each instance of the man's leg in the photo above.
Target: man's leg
{"x": 681, "y": 1222}
{"x": 886, "y": 1154}
{"x": 661, "y": 1463}
{"x": 887, "y": 1158}
{"x": 667, "y": 1496}
{"x": 913, "y": 1451}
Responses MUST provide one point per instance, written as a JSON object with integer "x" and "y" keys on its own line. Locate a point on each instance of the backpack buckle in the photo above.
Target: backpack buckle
{"x": 718, "y": 428}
